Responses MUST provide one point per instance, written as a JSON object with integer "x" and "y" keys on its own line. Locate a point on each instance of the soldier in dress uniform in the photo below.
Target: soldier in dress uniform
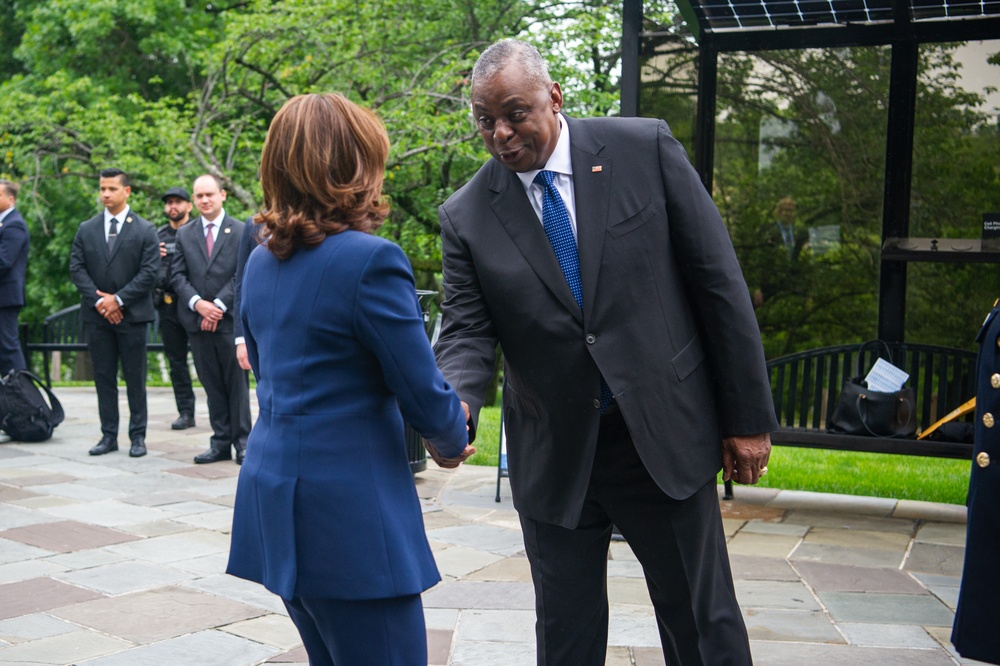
{"x": 975, "y": 633}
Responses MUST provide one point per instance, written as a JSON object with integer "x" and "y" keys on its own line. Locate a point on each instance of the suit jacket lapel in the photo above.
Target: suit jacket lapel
{"x": 592, "y": 190}
{"x": 199, "y": 230}
{"x": 98, "y": 234}
{"x": 511, "y": 206}
{"x": 225, "y": 231}
{"x": 124, "y": 229}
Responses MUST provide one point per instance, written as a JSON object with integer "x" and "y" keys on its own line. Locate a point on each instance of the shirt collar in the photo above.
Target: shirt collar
{"x": 121, "y": 217}
{"x": 217, "y": 221}
{"x": 4, "y": 213}
{"x": 559, "y": 161}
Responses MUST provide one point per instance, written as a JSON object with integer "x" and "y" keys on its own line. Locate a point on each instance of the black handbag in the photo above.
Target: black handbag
{"x": 861, "y": 411}
{"x": 874, "y": 413}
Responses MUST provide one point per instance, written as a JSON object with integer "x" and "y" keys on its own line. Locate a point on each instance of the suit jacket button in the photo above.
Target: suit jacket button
{"x": 983, "y": 459}
{"x": 591, "y": 338}
{"x": 597, "y": 403}
{"x": 988, "y": 420}
{"x": 995, "y": 380}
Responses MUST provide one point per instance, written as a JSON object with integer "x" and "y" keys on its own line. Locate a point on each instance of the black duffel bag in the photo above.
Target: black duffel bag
{"x": 24, "y": 413}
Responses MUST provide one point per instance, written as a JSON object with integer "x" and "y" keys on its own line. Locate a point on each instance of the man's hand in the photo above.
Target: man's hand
{"x": 242, "y": 357}
{"x": 163, "y": 249}
{"x": 211, "y": 314}
{"x": 108, "y": 307}
{"x": 744, "y": 459}
{"x": 448, "y": 463}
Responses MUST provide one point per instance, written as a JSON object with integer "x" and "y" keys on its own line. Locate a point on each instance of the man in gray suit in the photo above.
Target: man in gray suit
{"x": 14, "y": 246}
{"x": 591, "y": 252}
{"x": 203, "y": 277}
{"x": 113, "y": 263}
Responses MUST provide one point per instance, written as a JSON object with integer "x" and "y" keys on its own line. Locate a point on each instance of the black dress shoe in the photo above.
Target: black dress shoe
{"x": 212, "y": 455}
{"x": 106, "y": 445}
{"x": 183, "y": 421}
{"x": 240, "y": 454}
{"x": 138, "y": 449}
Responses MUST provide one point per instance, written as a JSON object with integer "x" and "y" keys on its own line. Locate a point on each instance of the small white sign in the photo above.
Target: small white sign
{"x": 884, "y": 377}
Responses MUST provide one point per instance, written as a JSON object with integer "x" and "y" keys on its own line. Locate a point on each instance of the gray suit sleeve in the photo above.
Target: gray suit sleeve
{"x": 718, "y": 294}
{"x": 248, "y": 241}
{"x": 225, "y": 294}
{"x": 466, "y": 350}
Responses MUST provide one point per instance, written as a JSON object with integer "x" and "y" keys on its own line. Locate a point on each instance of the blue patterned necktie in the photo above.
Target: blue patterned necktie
{"x": 555, "y": 219}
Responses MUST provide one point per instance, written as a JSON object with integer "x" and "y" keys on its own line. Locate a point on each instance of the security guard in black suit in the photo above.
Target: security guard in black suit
{"x": 113, "y": 263}
{"x": 202, "y": 275}
{"x": 975, "y": 633}
{"x": 177, "y": 208}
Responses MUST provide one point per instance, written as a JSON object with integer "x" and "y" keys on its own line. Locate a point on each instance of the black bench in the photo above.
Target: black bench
{"x": 63, "y": 331}
{"x": 805, "y": 388}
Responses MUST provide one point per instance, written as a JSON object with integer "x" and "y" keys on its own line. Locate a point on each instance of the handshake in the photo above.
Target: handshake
{"x": 448, "y": 463}
{"x": 451, "y": 463}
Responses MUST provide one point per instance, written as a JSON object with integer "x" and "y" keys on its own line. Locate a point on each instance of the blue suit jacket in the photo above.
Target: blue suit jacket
{"x": 325, "y": 504}
{"x": 13, "y": 259}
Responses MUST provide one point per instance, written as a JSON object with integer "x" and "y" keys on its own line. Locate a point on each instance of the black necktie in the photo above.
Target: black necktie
{"x": 112, "y": 234}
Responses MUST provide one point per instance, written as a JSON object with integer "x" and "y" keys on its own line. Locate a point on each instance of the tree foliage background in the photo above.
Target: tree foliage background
{"x": 809, "y": 126}
{"x": 169, "y": 89}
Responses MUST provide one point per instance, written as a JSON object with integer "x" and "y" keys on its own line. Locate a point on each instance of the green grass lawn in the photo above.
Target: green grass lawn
{"x": 791, "y": 468}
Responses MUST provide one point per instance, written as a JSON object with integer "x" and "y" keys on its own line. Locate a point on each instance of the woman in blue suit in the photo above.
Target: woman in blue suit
{"x": 326, "y": 515}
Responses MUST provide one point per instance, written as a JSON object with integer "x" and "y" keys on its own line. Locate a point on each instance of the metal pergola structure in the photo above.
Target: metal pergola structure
{"x": 721, "y": 26}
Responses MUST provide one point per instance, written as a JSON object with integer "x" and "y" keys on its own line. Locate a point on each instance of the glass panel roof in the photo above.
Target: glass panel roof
{"x": 723, "y": 14}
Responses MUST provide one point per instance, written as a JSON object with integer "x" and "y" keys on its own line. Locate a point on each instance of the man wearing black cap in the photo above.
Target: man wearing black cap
{"x": 177, "y": 208}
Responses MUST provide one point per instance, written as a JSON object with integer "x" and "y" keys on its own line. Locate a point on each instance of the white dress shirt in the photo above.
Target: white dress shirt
{"x": 559, "y": 162}
{"x": 216, "y": 222}
{"x": 121, "y": 217}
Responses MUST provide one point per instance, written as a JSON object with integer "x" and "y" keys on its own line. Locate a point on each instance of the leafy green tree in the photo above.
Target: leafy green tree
{"x": 811, "y": 125}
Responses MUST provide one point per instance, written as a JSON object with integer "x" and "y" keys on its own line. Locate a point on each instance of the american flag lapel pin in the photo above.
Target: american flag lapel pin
{"x": 596, "y": 169}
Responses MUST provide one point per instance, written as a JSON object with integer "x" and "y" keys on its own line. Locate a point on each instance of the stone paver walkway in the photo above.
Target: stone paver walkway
{"x": 110, "y": 560}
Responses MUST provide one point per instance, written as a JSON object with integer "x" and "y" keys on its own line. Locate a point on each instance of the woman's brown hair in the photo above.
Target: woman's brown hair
{"x": 321, "y": 170}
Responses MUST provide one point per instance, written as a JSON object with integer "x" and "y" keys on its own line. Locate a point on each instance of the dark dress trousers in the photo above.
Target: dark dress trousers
{"x": 175, "y": 338}
{"x": 975, "y": 632}
{"x": 325, "y": 507}
{"x": 14, "y": 244}
{"x": 193, "y": 272}
{"x": 668, "y": 323}
{"x": 129, "y": 271}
